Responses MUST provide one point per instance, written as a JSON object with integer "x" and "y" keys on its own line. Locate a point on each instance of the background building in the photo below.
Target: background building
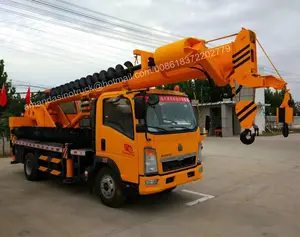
{"x": 223, "y": 114}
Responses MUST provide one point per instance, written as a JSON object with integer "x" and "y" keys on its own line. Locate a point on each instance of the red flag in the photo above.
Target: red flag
{"x": 3, "y": 96}
{"x": 27, "y": 98}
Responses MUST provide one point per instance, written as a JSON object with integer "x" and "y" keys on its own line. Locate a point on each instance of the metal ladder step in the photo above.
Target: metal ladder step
{"x": 50, "y": 159}
{"x": 53, "y": 172}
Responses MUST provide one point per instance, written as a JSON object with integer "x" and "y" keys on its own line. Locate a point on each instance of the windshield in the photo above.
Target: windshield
{"x": 172, "y": 113}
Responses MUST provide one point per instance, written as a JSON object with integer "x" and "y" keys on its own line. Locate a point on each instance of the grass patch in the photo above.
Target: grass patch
{"x": 278, "y": 132}
{"x": 268, "y": 134}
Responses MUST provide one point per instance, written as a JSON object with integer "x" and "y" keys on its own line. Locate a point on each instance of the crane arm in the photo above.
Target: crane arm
{"x": 183, "y": 60}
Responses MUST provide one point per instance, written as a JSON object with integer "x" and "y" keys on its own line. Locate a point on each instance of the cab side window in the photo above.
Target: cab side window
{"x": 118, "y": 115}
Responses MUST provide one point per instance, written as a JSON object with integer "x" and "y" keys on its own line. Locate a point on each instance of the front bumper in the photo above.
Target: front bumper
{"x": 169, "y": 180}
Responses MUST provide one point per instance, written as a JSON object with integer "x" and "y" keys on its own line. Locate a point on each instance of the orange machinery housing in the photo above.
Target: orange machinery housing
{"x": 136, "y": 137}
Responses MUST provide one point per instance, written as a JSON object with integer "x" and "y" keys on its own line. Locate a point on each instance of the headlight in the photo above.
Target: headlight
{"x": 200, "y": 147}
{"x": 150, "y": 161}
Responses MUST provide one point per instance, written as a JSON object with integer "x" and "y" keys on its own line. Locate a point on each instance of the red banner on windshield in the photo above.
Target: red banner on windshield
{"x": 163, "y": 98}
{"x": 167, "y": 98}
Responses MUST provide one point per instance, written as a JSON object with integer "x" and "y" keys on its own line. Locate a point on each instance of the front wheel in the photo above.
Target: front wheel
{"x": 108, "y": 186}
{"x": 169, "y": 190}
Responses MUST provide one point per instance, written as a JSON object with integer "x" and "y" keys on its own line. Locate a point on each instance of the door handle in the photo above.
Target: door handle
{"x": 103, "y": 144}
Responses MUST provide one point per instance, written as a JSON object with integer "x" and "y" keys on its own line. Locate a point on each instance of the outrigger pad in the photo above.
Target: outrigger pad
{"x": 246, "y": 111}
{"x": 284, "y": 115}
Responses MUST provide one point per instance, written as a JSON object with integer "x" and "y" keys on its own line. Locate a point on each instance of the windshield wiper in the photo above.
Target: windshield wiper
{"x": 183, "y": 127}
{"x": 171, "y": 121}
{"x": 158, "y": 128}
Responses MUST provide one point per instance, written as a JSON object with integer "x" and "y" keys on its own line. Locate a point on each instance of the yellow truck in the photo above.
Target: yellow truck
{"x": 127, "y": 137}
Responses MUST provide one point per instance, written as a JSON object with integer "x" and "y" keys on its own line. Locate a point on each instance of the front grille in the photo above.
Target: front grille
{"x": 178, "y": 164}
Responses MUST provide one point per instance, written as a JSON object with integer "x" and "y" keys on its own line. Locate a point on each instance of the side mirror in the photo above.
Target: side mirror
{"x": 153, "y": 100}
{"x": 139, "y": 108}
{"x": 140, "y": 128}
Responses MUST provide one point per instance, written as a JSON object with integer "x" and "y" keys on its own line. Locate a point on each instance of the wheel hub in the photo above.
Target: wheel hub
{"x": 28, "y": 167}
{"x": 107, "y": 186}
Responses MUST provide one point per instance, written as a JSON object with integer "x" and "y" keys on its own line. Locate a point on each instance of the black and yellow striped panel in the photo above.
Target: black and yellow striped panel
{"x": 242, "y": 56}
{"x": 246, "y": 112}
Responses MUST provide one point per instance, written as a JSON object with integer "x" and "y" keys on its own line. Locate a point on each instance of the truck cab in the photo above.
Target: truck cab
{"x": 150, "y": 138}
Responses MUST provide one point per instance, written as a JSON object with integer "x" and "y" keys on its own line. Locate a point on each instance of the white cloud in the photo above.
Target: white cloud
{"x": 134, "y": 3}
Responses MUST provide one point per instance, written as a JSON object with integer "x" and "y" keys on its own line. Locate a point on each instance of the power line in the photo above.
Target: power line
{"x": 22, "y": 15}
{"x": 270, "y": 68}
{"x": 89, "y": 16}
{"x": 59, "y": 49}
{"x": 61, "y": 55}
{"x": 53, "y": 33}
{"x": 46, "y": 56}
{"x": 35, "y": 17}
{"x": 19, "y": 85}
{"x": 65, "y": 37}
{"x": 20, "y": 6}
{"x": 36, "y": 84}
{"x": 67, "y": 26}
{"x": 80, "y": 14}
{"x": 119, "y": 19}
{"x": 286, "y": 78}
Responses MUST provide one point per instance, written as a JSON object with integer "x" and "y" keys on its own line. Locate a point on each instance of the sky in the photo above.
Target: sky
{"x": 46, "y": 46}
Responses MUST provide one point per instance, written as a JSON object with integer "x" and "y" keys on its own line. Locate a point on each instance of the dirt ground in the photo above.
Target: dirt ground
{"x": 246, "y": 191}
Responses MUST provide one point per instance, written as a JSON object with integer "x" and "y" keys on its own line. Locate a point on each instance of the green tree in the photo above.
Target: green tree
{"x": 297, "y": 108}
{"x": 275, "y": 98}
{"x": 202, "y": 90}
{"x": 14, "y": 107}
{"x": 38, "y": 96}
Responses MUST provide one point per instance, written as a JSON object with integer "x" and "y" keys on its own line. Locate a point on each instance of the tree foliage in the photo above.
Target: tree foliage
{"x": 204, "y": 92}
{"x": 15, "y": 105}
{"x": 275, "y": 98}
{"x": 201, "y": 90}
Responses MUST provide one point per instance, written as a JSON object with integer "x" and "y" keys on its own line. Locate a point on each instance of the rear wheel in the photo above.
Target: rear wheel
{"x": 108, "y": 186}
{"x": 31, "y": 167}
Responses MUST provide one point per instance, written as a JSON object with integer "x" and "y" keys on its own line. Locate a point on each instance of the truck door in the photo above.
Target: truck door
{"x": 115, "y": 137}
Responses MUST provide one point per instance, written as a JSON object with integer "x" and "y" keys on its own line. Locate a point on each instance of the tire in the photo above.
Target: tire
{"x": 285, "y": 130}
{"x": 31, "y": 167}
{"x": 169, "y": 190}
{"x": 108, "y": 186}
{"x": 247, "y": 140}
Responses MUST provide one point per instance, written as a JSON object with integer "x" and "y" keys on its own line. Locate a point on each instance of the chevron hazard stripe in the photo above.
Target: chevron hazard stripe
{"x": 246, "y": 112}
{"x": 241, "y": 57}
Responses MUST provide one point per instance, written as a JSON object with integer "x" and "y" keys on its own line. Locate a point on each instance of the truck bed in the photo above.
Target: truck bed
{"x": 80, "y": 137}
